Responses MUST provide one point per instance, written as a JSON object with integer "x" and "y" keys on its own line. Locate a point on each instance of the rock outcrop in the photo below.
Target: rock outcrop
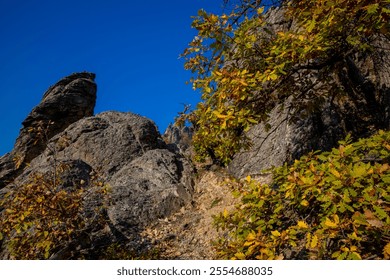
{"x": 179, "y": 138}
{"x": 64, "y": 103}
{"x": 147, "y": 180}
{"x": 361, "y": 110}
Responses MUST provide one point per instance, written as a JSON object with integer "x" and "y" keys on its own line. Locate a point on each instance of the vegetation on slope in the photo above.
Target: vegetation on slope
{"x": 330, "y": 205}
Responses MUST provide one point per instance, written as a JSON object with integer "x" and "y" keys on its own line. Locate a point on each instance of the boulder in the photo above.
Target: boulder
{"x": 149, "y": 188}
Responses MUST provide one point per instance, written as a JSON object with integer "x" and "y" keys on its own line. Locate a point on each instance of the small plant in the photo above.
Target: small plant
{"x": 330, "y": 205}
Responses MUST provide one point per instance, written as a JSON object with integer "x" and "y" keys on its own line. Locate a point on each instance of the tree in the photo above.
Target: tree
{"x": 243, "y": 68}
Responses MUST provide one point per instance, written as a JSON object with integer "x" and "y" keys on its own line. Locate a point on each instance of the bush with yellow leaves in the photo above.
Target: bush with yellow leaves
{"x": 330, "y": 205}
{"x": 44, "y": 216}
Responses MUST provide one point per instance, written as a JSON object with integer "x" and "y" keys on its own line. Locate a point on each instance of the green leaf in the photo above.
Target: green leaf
{"x": 322, "y": 158}
{"x": 381, "y": 214}
{"x": 358, "y": 171}
{"x": 311, "y": 25}
{"x": 371, "y": 9}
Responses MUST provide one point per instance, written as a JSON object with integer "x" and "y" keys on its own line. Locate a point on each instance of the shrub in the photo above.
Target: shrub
{"x": 43, "y": 216}
{"x": 330, "y": 205}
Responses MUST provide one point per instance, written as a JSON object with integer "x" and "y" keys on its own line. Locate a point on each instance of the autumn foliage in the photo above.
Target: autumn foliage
{"x": 243, "y": 67}
{"x": 42, "y": 216}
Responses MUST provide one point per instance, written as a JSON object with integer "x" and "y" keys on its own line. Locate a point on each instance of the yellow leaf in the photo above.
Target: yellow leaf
{"x": 330, "y": 224}
{"x": 248, "y": 179}
{"x": 304, "y": 203}
{"x": 314, "y": 241}
{"x": 355, "y": 256}
{"x": 336, "y": 254}
{"x": 275, "y": 233}
{"x": 273, "y": 76}
{"x": 344, "y": 249}
{"x": 386, "y": 251}
{"x": 358, "y": 171}
{"x": 308, "y": 238}
{"x": 335, "y": 173}
{"x": 384, "y": 167}
{"x": 302, "y": 224}
{"x": 249, "y": 243}
{"x": 336, "y": 219}
{"x": 354, "y": 236}
{"x": 251, "y": 236}
{"x": 223, "y": 126}
{"x": 260, "y": 10}
{"x": 240, "y": 256}
{"x": 225, "y": 213}
{"x": 219, "y": 115}
{"x": 243, "y": 83}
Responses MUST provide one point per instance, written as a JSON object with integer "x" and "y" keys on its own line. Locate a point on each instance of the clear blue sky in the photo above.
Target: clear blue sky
{"x": 132, "y": 46}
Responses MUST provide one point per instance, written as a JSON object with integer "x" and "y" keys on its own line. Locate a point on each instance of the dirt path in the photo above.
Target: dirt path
{"x": 189, "y": 233}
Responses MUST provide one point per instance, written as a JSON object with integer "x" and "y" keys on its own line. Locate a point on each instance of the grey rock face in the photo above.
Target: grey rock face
{"x": 362, "y": 109}
{"x": 107, "y": 141}
{"x": 148, "y": 180}
{"x": 152, "y": 186}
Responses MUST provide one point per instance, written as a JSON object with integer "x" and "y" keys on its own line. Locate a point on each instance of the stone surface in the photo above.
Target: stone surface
{"x": 149, "y": 188}
{"x": 106, "y": 141}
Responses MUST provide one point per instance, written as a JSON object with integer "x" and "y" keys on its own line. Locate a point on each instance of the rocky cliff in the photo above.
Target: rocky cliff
{"x": 147, "y": 180}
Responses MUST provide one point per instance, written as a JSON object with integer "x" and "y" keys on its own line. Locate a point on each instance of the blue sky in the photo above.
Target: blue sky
{"x": 132, "y": 46}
